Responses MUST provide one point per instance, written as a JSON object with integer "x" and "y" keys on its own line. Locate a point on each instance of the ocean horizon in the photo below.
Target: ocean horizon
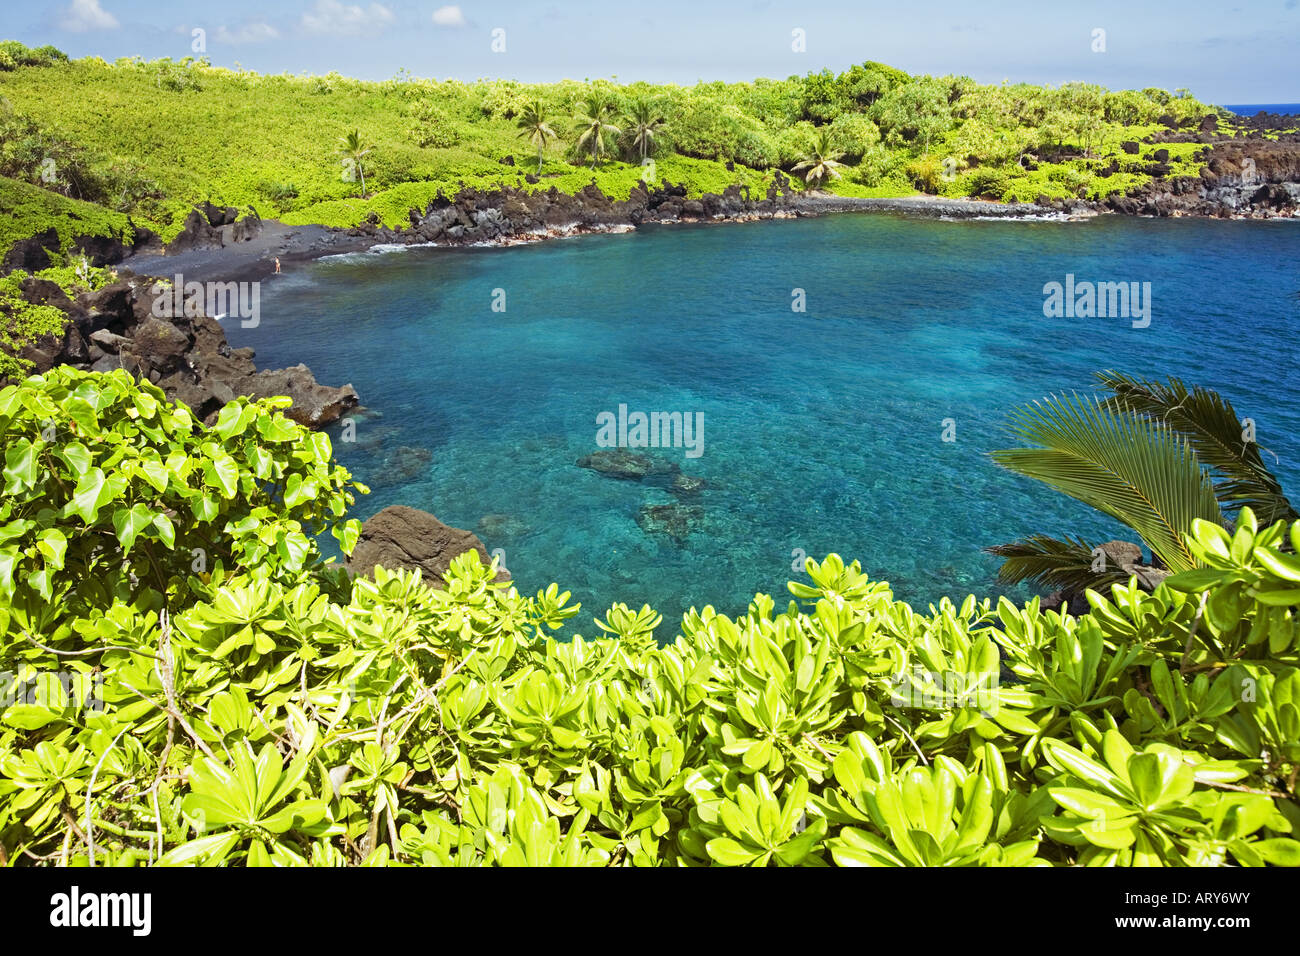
{"x": 1250, "y": 109}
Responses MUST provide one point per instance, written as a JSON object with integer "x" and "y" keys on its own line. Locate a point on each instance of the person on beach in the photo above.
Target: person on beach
{"x": 277, "y": 265}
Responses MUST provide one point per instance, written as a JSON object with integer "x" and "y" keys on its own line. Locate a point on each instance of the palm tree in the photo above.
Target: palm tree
{"x": 354, "y": 150}
{"x": 821, "y": 162}
{"x": 643, "y": 124}
{"x": 1214, "y": 431}
{"x": 1153, "y": 455}
{"x": 593, "y": 128}
{"x": 532, "y": 124}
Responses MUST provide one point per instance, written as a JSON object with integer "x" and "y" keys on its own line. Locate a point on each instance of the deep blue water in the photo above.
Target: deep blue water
{"x": 1250, "y": 109}
{"x": 822, "y": 430}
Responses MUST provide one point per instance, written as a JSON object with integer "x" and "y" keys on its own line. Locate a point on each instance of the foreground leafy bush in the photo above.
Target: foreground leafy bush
{"x": 266, "y": 712}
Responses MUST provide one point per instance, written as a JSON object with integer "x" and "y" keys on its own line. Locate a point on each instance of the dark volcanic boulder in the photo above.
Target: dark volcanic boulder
{"x": 75, "y": 350}
{"x": 250, "y": 227}
{"x": 101, "y": 250}
{"x": 219, "y": 215}
{"x": 197, "y": 233}
{"x": 401, "y": 537}
{"x": 30, "y": 255}
{"x": 43, "y": 353}
{"x": 1121, "y": 554}
{"x": 314, "y": 404}
{"x": 109, "y": 307}
{"x": 44, "y": 292}
{"x": 160, "y": 343}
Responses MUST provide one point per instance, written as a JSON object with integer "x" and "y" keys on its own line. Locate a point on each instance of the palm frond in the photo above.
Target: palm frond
{"x": 1125, "y": 465}
{"x": 1055, "y": 565}
{"x": 1211, "y": 425}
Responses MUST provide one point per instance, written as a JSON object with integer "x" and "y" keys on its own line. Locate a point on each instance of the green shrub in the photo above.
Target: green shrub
{"x": 927, "y": 173}
{"x": 14, "y": 54}
{"x": 281, "y": 192}
{"x": 22, "y": 323}
{"x": 265, "y": 711}
{"x": 854, "y": 135}
{"x": 985, "y": 183}
{"x": 431, "y": 127}
{"x": 27, "y": 210}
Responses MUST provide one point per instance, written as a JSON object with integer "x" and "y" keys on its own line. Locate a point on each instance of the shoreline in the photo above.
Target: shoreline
{"x": 253, "y": 259}
{"x": 487, "y": 220}
{"x": 189, "y": 357}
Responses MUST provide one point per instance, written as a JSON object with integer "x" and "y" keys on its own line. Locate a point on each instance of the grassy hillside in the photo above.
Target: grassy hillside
{"x": 151, "y": 138}
{"x": 26, "y": 210}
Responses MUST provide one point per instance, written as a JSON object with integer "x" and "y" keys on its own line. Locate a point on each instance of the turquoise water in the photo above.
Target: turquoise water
{"x": 822, "y": 430}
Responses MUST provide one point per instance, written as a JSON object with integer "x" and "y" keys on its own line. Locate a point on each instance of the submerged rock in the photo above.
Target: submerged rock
{"x": 406, "y": 538}
{"x": 688, "y": 485}
{"x": 622, "y": 463}
{"x": 404, "y": 463}
{"x": 502, "y": 526}
{"x": 674, "y": 521}
{"x": 618, "y": 463}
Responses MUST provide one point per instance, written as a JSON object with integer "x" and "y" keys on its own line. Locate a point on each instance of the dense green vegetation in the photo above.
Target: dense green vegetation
{"x": 152, "y": 138}
{"x": 242, "y": 703}
{"x": 22, "y": 321}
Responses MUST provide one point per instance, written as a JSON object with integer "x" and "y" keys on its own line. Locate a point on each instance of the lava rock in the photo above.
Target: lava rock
{"x": 618, "y": 463}
{"x": 406, "y": 538}
{"x": 196, "y": 233}
{"x": 688, "y": 485}
{"x": 31, "y": 255}
{"x": 219, "y": 216}
{"x": 314, "y": 405}
{"x": 160, "y": 342}
{"x": 403, "y": 464}
{"x": 675, "y": 521}
{"x": 110, "y": 341}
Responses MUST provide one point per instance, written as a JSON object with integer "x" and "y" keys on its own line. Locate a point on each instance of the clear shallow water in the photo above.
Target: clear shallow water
{"x": 822, "y": 430}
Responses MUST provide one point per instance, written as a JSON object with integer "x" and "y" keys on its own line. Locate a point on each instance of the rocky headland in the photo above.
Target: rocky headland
{"x": 188, "y": 357}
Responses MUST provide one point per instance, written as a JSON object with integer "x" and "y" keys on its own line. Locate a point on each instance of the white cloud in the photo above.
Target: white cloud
{"x": 247, "y": 33}
{"x": 331, "y": 16}
{"x": 85, "y": 15}
{"x": 449, "y": 17}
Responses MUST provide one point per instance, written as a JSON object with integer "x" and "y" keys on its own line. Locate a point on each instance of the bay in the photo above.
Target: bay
{"x": 823, "y": 430}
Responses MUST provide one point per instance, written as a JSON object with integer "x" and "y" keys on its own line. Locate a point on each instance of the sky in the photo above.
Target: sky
{"x": 1224, "y": 53}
